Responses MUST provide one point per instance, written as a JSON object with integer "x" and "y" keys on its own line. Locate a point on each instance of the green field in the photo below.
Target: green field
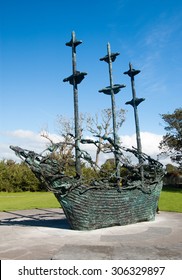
{"x": 27, "y": 200}
{"x": 169, "y": 200}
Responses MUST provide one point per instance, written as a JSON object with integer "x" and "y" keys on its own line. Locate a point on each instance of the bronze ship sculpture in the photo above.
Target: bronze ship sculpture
{"x": 108, "y": 200}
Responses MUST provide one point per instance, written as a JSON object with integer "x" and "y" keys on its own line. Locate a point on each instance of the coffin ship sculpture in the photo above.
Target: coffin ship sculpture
{"x": 108, "y": 200}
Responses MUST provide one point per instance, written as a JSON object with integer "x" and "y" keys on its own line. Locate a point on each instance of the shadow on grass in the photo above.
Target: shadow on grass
{"x": 35, "y": 218}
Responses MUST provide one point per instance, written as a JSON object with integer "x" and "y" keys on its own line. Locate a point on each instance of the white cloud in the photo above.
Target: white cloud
{"x": 25, "y": 139}
{"x": 150, "y": 142}
{"x": 21, "y": 134}
{"x": 34, "y": 141}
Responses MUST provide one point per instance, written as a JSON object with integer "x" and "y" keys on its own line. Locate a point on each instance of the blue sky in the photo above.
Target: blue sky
{"x": 34, "y": 60}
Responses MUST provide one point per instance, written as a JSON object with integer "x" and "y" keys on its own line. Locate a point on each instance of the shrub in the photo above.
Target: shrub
{"x": 16, "y": 177}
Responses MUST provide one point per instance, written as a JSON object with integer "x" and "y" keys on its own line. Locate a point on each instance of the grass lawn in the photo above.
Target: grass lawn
{"x": 169, "y": 200}
{"x": 27, "y": 200}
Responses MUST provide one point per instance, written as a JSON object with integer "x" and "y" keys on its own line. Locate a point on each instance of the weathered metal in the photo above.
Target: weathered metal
{"x": 116, "y": 88}
{"x": 135, "y": 102}
{"x": 111, "y": 90}
{"x": 74, "y": 80}
{"x": 99, "y": 204}
{"x": 106, "y": 200}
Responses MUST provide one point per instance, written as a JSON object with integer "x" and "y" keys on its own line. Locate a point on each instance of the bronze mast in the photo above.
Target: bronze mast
{"x": 112, "y": 90}
{"x": 74, "y": 80}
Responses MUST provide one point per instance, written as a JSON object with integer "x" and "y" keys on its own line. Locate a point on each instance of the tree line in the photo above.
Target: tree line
{"x": 17, "y": 177}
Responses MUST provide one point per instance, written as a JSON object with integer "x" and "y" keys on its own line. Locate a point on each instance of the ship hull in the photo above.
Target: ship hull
{"x": 101, "y": 203}
{"x": 93, "y": 208}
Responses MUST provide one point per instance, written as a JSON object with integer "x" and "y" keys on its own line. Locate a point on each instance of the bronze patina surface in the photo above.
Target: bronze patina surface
{"x": 106, "y": 200}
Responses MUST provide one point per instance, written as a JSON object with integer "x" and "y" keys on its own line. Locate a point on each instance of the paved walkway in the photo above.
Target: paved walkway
{"x": 44, "y": 234}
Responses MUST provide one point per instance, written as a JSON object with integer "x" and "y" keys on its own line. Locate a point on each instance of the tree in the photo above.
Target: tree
{"x": 104, "y": 127}
{"x": 171, "y": 143}
{"x": 98, "y": 125}
{"x": 17, "y": 177}
{"x": 62, "y": 151}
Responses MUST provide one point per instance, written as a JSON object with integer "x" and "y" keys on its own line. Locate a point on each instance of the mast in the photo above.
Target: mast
{"x": 74, "y": 80}
{"x": 134, "y": 103}
{"x": 112, "y": 90}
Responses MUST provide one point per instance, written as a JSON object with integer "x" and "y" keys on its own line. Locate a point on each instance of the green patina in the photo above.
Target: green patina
{"x": 106, "y": 200}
